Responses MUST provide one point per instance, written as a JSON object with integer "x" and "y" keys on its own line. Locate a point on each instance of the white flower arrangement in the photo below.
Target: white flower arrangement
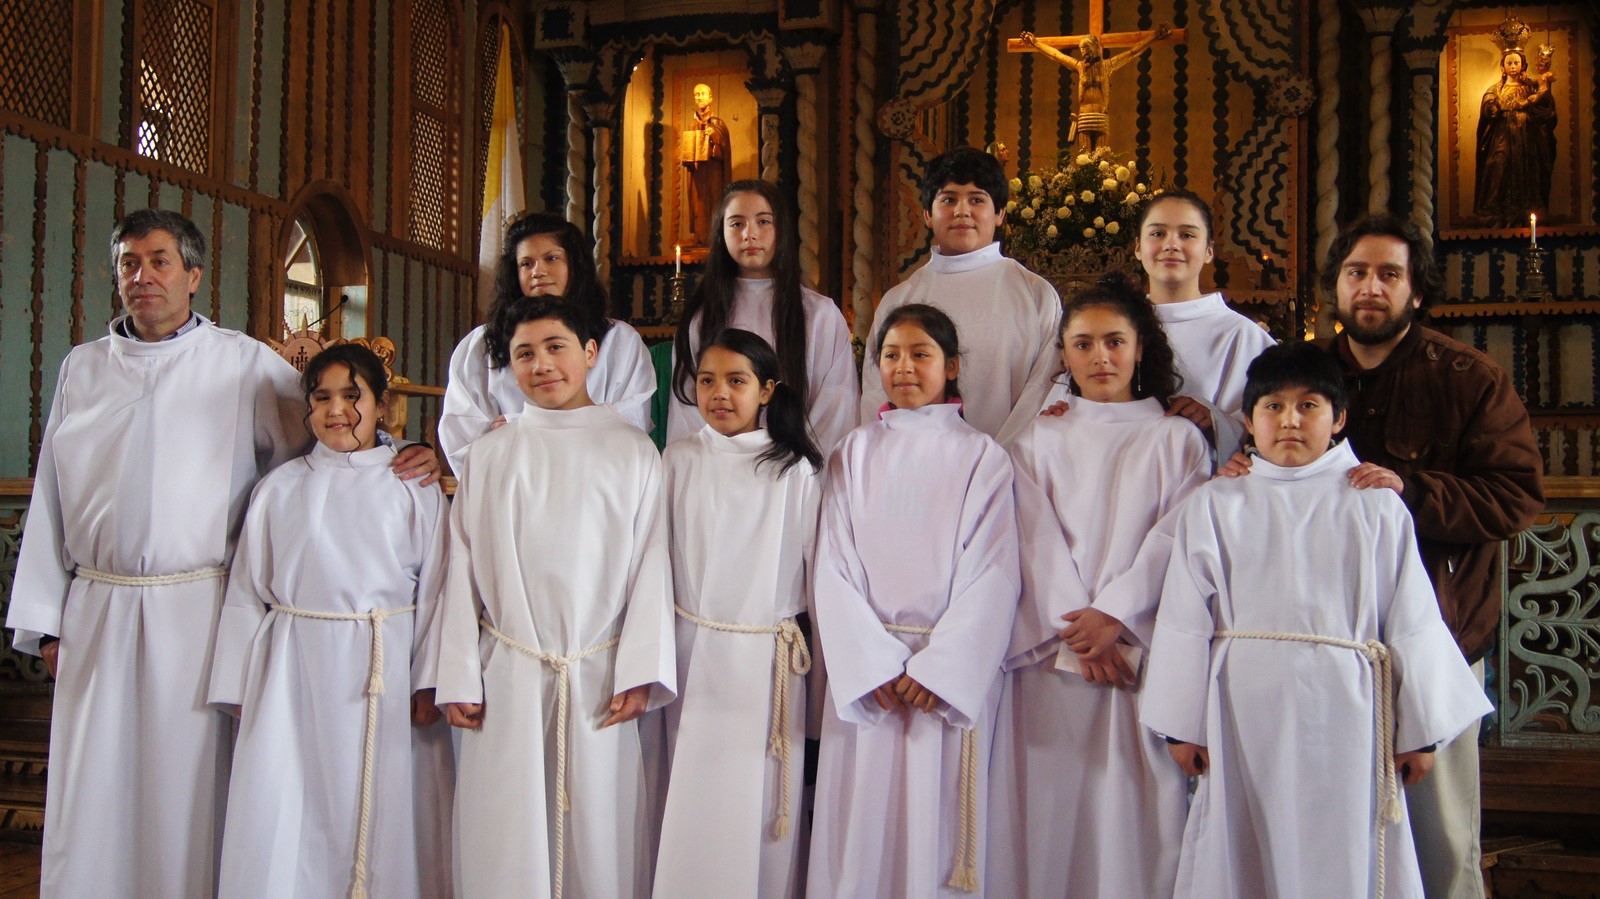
{"x": 1087, "y": 200}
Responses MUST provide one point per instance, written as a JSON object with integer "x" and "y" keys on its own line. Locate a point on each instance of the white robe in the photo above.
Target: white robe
{"x": 1213, "y": 346}
{"x": 475, "y": 394}
{"x": 1084, "y": 801}
{"x": 741, "y": 542}
{"x": 335, "y": 533}
{"x": 557, "y": 538}
{"x": 918, "y": 529}
{"x": 830, "y": 363}
{"x": 149, "y": 454}
{"x": 1008, "y": 321}
{"x": 1288, "y": 803}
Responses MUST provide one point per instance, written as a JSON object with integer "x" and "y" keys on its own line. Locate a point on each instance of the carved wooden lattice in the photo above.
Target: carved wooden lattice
{"x": 14, "y": 666}
{"x": 1550, "y": 634}
{"x": 173, "y": 106}
{"x": 432, "y": 150}
{"x": 36, "y": 62}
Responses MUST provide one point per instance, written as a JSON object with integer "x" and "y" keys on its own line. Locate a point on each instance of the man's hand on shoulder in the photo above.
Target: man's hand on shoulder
{"x": 417, "y": 461}
{"x": 1367, "y": 475}
{"x": 1236, "y": 467}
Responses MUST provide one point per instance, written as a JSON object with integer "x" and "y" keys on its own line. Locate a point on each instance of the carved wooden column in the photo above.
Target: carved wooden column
{"x": 1424, "y": 66}
{"x": 577, "y": 74}
{"x": 1329, "y": 55}
{"x": 601, "y": 115}
{"x": 769, "y": 95}
{"x": 806, "y": 60}
{"x": 863, "y": 286}
{"x": 1381, "y": 22}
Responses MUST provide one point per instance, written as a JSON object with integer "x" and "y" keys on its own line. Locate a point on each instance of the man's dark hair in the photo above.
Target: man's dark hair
{"x": 191, "y": 243}
{"x": 965, "y": 165}
{"x": 1295, "y": 364}
{"x": 1422, "y": 269}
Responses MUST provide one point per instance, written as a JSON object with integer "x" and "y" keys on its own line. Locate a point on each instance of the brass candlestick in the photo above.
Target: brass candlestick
{"x": 1533, "y": 286}
{"x": 677, "y": 293}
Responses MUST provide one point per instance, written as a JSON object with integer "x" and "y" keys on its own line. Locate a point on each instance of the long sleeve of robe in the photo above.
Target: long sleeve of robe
{"x": 1083, "y": 800}
{"x": 725, "y": 789}
{"x": 830, "y": 363}
{"x": 1008, "y": 320}
{"x": 1297, "y": 550}
{"x": 918, "y": 530}
{"x": 559, "y": 540}
{"x": 475, "y": 395}
{"x": 335, "y": 533}
{"x": 148, "y": 458}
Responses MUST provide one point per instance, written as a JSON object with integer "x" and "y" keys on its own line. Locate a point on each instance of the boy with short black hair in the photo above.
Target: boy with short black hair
{"x": 556, "y": 630}
{"x": 1298, "y": 650}
{"x": 1007, "y": 316}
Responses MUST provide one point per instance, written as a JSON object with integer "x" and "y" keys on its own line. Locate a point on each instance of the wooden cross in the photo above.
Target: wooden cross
{"x": 1108, "y": 40}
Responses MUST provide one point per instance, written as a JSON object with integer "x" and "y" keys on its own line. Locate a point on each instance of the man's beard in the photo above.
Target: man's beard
{"x": 1385, "y": 331}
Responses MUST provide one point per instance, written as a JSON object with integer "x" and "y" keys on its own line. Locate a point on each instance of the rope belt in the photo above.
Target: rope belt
{"x": 375, "y": 618}
{"x": 964, "y": 875}
{"x": 562, "y": 665}
{"x": 790, "y": 656}
{"x": 1388, "y": 788}
{"x": 150, "y": 580}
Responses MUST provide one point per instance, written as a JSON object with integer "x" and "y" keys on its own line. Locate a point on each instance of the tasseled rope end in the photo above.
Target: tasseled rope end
{"x": 780, "y": 827}
{"x": 1391, "y": 809}
{"x": 358, "y": 890}
{"x": 964, "y": 878}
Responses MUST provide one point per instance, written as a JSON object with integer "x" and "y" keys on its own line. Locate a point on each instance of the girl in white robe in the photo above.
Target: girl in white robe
{"x": 342, "y": 771}
{"x": 742, "y": 510}
{"x": 1084, "y": 801}
{"x": 1290, "y": 597}
{"x": 557, "y": 633}
{"x": 916, "y": 587}
{"x": 1213, "y": 344}
{"x": 752, "y": 282}
{"x": 543, "y": 255}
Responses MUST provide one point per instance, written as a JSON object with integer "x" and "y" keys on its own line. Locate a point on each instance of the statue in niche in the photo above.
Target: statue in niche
{"x": 1516, "y": 134}
{"x": 708, "y": 155}
{"x": 1091, "y": 105}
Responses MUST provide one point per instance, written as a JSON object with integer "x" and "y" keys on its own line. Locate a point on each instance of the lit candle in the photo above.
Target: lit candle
{"x": 678, "y": 252}
{"x": 1533, "y": 228}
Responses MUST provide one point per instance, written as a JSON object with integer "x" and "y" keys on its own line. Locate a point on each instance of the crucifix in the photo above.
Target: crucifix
{"x": 1091, "y": 119}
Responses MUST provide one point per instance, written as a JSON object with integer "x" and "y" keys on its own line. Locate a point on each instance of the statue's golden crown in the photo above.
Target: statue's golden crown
{"x": 1510, "y": 35}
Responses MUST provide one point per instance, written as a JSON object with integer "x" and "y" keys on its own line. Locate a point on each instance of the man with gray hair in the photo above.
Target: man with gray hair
{"x": 156, "y": 436}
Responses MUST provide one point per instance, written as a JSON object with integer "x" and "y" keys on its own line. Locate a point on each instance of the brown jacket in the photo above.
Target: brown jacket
{"x": 1446, "y": 419}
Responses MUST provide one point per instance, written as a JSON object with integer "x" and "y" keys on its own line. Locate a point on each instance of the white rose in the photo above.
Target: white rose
{"x": 1011, "y": 205}
{"x": 1113, "y": 227}
{"x": 1099, "y": 221}
{"x": 1140, "y": 187}
{"x": 1130, "y": 199}
{"x": 1051, "y": 231}
{"x": 1062, "y": 212}
{"x": 1069, "y": 199}
{"x": 1035, "y": 202}
{"x": 1083, "y": 159}
{"x": 1035, "y": 182}
{"x": 1027, "y": 212}
{"x": 1109, "y": 184}
{"x": 1105, "y": 166}
{"x": 1088, "y": 232}
{"x": 1087, "y": 196}
{"x": 1015, "y": 184}
{"x": 1123, "y": 173}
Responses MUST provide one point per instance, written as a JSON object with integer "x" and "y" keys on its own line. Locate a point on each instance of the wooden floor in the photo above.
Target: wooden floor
{"x": 19, "y": 870}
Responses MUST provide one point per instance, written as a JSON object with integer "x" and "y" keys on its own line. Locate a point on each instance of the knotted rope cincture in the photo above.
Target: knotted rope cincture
{"x": 375, "y": 619}
{"x": 964, "y": 875}
{"x": 150, "y": 580}
{"x": 1388, "y": 786}
{"x": 562, "y": 665}
{"x": 791, "y": 656}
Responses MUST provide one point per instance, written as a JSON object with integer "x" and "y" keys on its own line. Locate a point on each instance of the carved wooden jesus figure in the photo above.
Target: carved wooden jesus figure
{"x": 1091, "y": 119}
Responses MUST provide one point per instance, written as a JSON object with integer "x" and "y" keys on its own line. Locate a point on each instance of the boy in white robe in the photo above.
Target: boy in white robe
{"x": 334, "y": 791}
{"x": 1008, "y": 317}
{"x": 557, "y": 634}
{"x": 916, "y": 587}
{"x": 1297, "y": 622}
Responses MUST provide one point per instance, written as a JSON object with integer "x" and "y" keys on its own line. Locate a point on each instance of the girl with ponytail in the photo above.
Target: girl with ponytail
{"x": 742, "y": 511}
